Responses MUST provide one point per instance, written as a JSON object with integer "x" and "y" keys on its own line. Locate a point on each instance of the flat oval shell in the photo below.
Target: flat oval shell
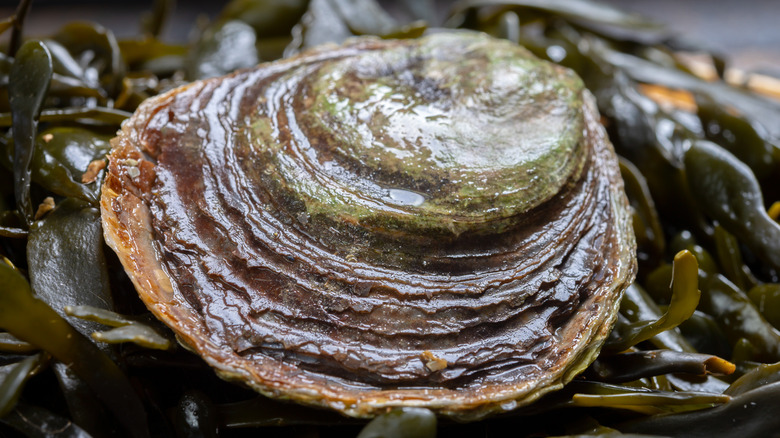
{"x": 436, "y": 222}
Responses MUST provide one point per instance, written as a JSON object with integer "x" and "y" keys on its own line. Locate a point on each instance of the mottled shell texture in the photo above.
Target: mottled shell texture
{"x": 436, "y": 222}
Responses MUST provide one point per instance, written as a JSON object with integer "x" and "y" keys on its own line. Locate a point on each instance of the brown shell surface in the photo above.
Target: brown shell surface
{"x": 337, "y": 312}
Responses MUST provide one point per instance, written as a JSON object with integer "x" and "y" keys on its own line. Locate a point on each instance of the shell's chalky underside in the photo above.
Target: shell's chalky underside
{"x": 436, "y": 222}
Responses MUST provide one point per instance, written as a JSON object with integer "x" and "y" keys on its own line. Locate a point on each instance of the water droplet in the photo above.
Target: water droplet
{"x": 556, "y": 53}
{"x": 406, "y": 197}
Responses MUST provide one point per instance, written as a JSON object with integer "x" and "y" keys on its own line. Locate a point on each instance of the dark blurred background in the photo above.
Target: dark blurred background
{"x": 746, "y": 32}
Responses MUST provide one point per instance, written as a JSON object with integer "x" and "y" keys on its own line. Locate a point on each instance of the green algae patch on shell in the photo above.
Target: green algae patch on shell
{"x": 436, "y": 222}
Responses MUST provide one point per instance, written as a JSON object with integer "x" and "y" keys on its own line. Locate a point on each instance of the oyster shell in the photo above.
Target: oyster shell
{"x": 436, "y": 222}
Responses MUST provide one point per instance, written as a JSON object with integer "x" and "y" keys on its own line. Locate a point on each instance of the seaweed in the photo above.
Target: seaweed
{"x": 700, "y": 160}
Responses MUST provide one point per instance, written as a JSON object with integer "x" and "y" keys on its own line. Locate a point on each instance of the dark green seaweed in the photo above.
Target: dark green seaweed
{"x": 81, "y": 356}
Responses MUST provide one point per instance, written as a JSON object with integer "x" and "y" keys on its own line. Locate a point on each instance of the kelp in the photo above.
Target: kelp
{"x": 125, "y": 329}
{"x": 683, "y": 302}
{"x": 700, "y": 160}
{"x": 28, "y": 83}
{"x": 401, "y": 423}
{"x": 33, "y": 321}
{"x": 36, "y": 422}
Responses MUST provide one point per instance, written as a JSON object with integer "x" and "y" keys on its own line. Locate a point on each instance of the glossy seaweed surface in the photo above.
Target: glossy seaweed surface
{"x": 81, "y": 356}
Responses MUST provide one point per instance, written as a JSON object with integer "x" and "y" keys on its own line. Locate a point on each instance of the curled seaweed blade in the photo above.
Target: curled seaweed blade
{"x": 29, "y": 81}
{"x": 96, "y": 314}
{"x": 9, "y": 343}
{"x": 766, "y": 297}
{"x": 333, "y": 21}
{"x": 774, "y": 211}
{"x": 637, "y": 306}
{"x": 126, "y": 330}
{"x": 107, "y": 62}
{"x": 36, "y": 422}
{"x": 635, "y": 365}
{"x": 685, "y": 298}
{"x": 739, "y": 316}
{"x": 730, "y": 259}
{"x": 653, "y": 402}
{"x": 764, "y": 374}
{"x": 647, "y": 224}
{"x": 92, "y": 116}
{"x": 269, "y": 18}
{"x": 402, "y": 423}
{"x": 223, "y": 49}
{"x": 62, "y": 157}
{"x": 195, "y": 416}
{"x": 31, "y": 320}
{"x": 640, "y": 399}
{"x": 593, "y": 15}
{"x": 18, "y": 25}
{"x": 262, "y": 411}
{"x": 728, "y": 192}
{"x": 139, "y": 334}
{"x": 153, "y": 21}
{"x": 13, "y": 382}
{"x": 754, "y": 411}
{"x": 66, "y": 261}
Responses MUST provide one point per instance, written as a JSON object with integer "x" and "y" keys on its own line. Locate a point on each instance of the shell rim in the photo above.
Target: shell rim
{"x": 135, "y": 247}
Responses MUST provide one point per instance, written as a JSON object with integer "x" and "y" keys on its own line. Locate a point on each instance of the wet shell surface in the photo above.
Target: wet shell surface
{"x": 436, "y": 222}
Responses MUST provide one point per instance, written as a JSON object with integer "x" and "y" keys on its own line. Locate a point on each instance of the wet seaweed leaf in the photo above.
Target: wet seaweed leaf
{"x": 635, "y": 365}
{"x": 730, "y": 259}
{"x": 139, "y": 54}
{"x": 754, "y": 411}
{"x": 153, "y": 21}
{"x": 402, "y": 423}
{"x": 333, "y": 21}
{"x": 7, "y": 23}
{"x": 28, "y": 83}
{"x": 705, "y": 334}
{"x": 18, "y": 25}
{"x": 766, "y": 298}
{"x": 685, "y": 240}
{"x": 31, "y": 320}
{"x": 62, "y": 155}
{"x": 67, "y": 267}
{"x": 109, "y": 116}
{"x": 647, "y": 224}
{"x": 14, "y": 379}
{"x": 685, "y": 298}
{"x": 127, "y": 330}
{"x": 138, "y": 334}
{"x": 620, "y": 57}
{"x": 98, "y": 315}
{"x": 595, "y": 15}
{"x": 728, "y": 192}
{"x": 9, "y": 343}
{"x": 262, "y": 411}
{"x": 195, "y": 416}
{"x": 36, "y": 422}
{"x": 762, "y": 375}
{"x": 652, "y": 403}
{"x": 269, "y": 18}
{"x": 221, "y": 50}
{"x": 85, "y": 408}
{"x": 66, "y": 261}
{"x": 738, "y": 317}
{"x": 102, "y": 49}
{"x": 642, "y": 400}
{"x": 13, "y": 232}
{"x": 637, "y": 306}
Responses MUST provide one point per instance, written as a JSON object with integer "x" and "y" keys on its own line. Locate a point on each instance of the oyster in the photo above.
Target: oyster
{"x": 436, "y": 222}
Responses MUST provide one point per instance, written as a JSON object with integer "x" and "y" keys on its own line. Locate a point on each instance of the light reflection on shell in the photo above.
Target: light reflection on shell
{"x": 436, "y": 222}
